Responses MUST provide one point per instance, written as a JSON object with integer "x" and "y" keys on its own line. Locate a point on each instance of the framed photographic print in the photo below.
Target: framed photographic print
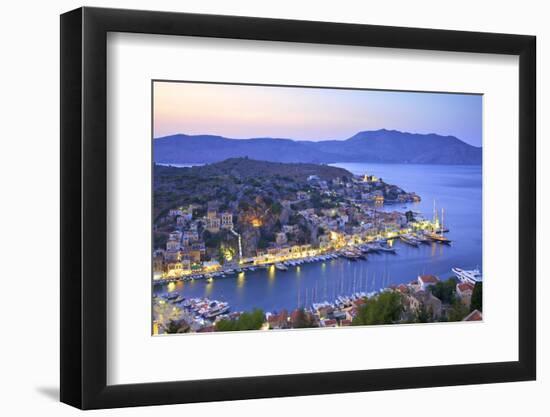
{"x": 258, "y": 208}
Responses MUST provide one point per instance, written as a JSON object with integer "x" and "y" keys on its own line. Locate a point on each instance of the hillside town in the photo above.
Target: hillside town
{"x": 250, "y": 221}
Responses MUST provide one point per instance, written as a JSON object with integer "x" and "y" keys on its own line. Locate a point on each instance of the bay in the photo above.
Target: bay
{"x": 455, "y": 188}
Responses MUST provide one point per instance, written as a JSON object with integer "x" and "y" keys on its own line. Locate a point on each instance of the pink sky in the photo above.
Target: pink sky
{"x": 243, "y": 111}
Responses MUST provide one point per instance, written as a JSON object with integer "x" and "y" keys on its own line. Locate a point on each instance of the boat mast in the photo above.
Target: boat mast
{"x": 442, "y": 228}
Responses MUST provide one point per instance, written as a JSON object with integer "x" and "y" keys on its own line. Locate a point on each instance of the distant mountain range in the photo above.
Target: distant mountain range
{"x": 382, "y": 146}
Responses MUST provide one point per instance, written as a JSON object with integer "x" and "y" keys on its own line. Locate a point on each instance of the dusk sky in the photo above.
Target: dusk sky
{"x": 240, "y": 111}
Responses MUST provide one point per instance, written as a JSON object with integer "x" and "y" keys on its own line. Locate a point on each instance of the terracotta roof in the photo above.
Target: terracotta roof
{"x": 273, "y": 318}
{"x": 428, "y": 278}
{"x": 294, "y": 314}
{"x": 474, "y": 316}
{"x": 278, "y": 318}
{"x": 465, "y": 286}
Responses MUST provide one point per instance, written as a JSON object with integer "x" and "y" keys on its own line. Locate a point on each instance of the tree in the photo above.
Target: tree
{"x": 243, "y": 205}
{"x": 477, "y": 297}
{"x": 252, "y": 320}
{"x": 247, "y": 321}
{"x": 445, "y": 290}
{"x": 211, "y": 240}
{"x": 172, "y": 327}
{"x": 293, "y": 219}
{"x": 276, "y": 208}
{"x": 267, "y": 234}
{"x": 177, "y": 327}
{"x": 457, "y": 312}
{"x": 422, "y": 315}
{"x": 226, "y": 325}
{"x": 226, "y": 253}
{"x": 315, "y": 200}
{"x": 383, "y": 309}
{"x": 263, "y": 243}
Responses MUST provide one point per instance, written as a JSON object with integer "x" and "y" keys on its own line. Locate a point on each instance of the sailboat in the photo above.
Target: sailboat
{"x": 438, "y": 237}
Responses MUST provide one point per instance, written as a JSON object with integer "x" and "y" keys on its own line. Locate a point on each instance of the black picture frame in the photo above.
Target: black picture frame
{"x": 84, "y": 207}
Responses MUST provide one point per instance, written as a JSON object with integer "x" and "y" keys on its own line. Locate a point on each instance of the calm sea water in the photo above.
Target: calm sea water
{"x": 457, "y": 189}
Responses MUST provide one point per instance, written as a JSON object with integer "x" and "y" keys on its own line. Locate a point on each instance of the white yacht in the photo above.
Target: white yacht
{"x": 281, "y": 267}
{"x": 472, "y": 276}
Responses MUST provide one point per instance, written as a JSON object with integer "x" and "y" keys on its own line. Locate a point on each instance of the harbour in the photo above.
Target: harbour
{"x": 373, "y": 266}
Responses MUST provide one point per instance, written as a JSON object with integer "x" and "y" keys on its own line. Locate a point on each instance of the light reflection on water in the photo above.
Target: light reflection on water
{"x": 209, "y": 288}
{"x": 240, "y": 280}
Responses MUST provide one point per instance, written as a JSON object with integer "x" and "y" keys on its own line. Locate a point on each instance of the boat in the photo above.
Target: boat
{"x": 178, "y": 299}
{"x": 171, "y": 297}
{"x": 471, "y": 276}
{"x": 281, "y": 267}
{"x": 437, "y": 237}
{"x": 409, "y": 239}
{"x": 217, "y": 310}
{"x": 421, "y": 237}
{"x": 350, "y": 255}
{"x": 385, "y": 248}
{"x": 375, "y": 246}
